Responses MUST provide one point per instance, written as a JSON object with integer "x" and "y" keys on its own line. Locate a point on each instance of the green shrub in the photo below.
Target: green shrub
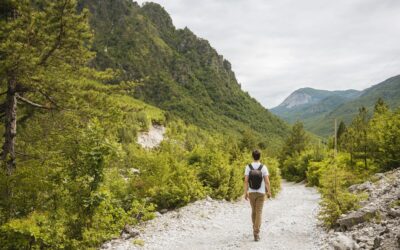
{"x": 274, "y": 175}
{"x": 36, "y": 231}
{"x": 294, "y": 168}
{"x": 107, "y": 221}
{"x": 336, "y": 199}
{"x": 314, "y": 173}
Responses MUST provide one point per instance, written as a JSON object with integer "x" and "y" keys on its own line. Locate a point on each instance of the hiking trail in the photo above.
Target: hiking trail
{"x": 289, "y": 222}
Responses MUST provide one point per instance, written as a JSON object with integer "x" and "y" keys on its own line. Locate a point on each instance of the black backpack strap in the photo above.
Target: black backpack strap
{"x": 251, "y": 167}
{"x": 260, "y": 167}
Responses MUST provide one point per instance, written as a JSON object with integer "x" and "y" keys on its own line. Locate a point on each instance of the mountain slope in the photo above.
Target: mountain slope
{"x": 306, "y": 104}
{"x": 318, "y": 109}
{"x": 388, "y": 90}
{"x": 178, "y": 71}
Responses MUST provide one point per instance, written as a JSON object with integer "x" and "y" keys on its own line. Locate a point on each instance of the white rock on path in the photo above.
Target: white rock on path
{"x": 342, "y": 242}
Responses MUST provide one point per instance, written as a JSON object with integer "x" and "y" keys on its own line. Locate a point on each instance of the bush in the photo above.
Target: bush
{"x": 274, "y": 175}
{"x": 314, "y": 173}
{"x": 36, "y": 231}
{"x": 294, "y": 168}
{"x": 336, "y": 199}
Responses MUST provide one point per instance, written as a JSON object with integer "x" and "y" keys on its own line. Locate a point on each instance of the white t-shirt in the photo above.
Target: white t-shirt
{"x": 264, "y": 171}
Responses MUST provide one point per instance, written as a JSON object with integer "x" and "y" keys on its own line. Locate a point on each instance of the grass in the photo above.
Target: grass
{"x": 138, "y": 242}
{"x": 395, "y": 203}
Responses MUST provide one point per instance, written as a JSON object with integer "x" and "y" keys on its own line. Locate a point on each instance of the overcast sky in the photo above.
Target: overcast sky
{"x": 278, "y": 46}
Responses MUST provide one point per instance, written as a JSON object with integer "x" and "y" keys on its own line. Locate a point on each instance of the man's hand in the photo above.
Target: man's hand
{"x": 246, "y": 187}
{"x": 269, "y": 194}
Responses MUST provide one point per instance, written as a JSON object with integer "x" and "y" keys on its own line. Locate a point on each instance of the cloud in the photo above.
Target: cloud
{"x": 276, "y": 47}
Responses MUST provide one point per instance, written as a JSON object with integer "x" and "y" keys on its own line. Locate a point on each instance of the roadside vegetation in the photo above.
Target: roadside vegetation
{"x": 369, "y": 144}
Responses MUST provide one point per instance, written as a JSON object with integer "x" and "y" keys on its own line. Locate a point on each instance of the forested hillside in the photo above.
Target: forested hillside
{"x": 178, "y": 71}
{"x": 71, "y": 172}
{"x": 388, "y": 91}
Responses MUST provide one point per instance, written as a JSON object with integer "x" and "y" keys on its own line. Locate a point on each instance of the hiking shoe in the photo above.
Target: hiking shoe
{"x": 256, "y": 237}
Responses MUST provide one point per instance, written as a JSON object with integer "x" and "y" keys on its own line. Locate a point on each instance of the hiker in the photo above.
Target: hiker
{"x": 256, "y": 175}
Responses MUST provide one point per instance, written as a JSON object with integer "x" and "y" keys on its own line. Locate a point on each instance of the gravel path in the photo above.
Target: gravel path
{"x": 289, "y": 222}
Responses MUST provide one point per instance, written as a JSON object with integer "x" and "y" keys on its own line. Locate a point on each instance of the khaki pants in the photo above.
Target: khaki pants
{"x": 257, "y": 203}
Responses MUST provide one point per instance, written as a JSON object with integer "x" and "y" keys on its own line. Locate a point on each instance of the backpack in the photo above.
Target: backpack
{"x": 255, "y": 177}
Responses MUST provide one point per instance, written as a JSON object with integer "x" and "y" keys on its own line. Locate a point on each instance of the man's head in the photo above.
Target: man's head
{"x": 256, "y": 155}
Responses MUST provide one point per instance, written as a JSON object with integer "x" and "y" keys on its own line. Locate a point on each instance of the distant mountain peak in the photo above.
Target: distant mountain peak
{"x": 295, "y": 99}
{"x": 307, "y": 95}
{"x": 318, "y": 108}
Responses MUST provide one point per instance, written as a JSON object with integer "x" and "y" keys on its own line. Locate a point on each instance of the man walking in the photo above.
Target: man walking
{"x": 256, "y": 185}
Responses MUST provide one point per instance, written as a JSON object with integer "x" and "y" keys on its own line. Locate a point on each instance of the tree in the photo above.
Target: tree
{"x": 380, "y": 107}
{"x": 356, "y": 140}
{"x": 248, "y": 140}
{"x": 384, "y": 136}
{"x": 296, "y": 142}
{"x": 41, "y": 46}
{"x": 340, "y": 132}
{"x": 336, "y": 199}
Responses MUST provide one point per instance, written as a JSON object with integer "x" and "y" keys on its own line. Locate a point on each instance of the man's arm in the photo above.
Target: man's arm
{"x": 246, "y": 187}
{"x": 267, "y": 186}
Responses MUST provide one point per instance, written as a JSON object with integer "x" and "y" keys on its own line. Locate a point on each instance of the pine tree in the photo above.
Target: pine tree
{"x": 42, "y": 46}
{"x": 384, "y": 136}
{"x": 291, "y": 161}
{"x": 296, "y": 142}
{"x": 356, "y": 138}
{"x": 340, "y": 132}
{"x": 380, "y": 107}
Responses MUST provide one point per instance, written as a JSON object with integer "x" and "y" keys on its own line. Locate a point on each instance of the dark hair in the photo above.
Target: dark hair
{"x": 256, "y": 155}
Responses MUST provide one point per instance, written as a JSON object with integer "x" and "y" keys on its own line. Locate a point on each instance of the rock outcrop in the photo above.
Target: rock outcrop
{"x": 152, "y": 138}
{"x": 376, "y": 225}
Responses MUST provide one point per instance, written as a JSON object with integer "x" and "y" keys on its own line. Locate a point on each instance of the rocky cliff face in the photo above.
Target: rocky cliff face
{"x": 310, "y": 105}
{"x": 376, "y": 225}
{"x": 296, "y": 99}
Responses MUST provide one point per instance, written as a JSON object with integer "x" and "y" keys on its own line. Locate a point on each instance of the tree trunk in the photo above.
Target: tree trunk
{"x": 10, "y": 124}
{"x": 365, "y": 149}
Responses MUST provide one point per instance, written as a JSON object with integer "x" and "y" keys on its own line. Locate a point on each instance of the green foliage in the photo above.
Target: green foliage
{"x": 395, "y": 203}
{"x": 294, "y": 167}
{"x": 37, "y": 231}
{"x": 296, "y": 142}
{"x": 138, "y": 242}
{"x": 77, "y": 171}
{"x": 293, "y": 163}
{"x": 342, "y": 129}
{"x": 385, "y": 127}
{"x": 366, "y": 146}
{"x": 274, "y": 175}
{"x": 167, "y": 179}
{"x": 105, "y": 223}
{"x": 336, "y": 199}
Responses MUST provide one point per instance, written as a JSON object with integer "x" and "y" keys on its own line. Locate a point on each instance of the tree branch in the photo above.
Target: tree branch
{"x": 57, "y": 43}
{"x": 32, "y": 103}
{"x": 49, "y": 98}
{"x": 3, "y": 93}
